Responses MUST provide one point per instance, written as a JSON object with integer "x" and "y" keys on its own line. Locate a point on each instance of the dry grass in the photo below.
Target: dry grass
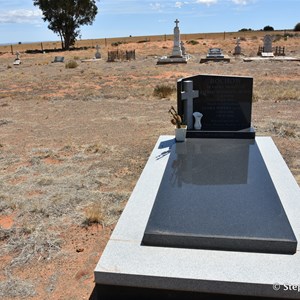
{"x": 285, "y": 129}
{"x": 16, "y": 288}
{"x": 74, "y": 142}
{"x": 277, "y": 91}
{"x": 31, "y": 242}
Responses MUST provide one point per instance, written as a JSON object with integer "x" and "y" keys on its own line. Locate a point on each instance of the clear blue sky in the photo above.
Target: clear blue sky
{"x": 20, "y": 21}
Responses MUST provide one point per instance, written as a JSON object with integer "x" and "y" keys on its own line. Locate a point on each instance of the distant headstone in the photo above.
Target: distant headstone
{"x": 59, "y": 59}
{"x": 224, "y": 101}
{"x": 237, "y": 49}
{"x": 215, "y": 53}
{"x": 183, "y": 48}
{"x": 267, "y": 48}
{"x": 268, "y": 44}
{"x": 97, "y": 54}
{"x": 176, "y": 48}
{"x": 17, "y": 60}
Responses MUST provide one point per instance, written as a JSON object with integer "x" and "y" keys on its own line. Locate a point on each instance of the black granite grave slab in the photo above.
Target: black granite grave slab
{"x": 226, "y": 105}
{"x": 217, "y": 194}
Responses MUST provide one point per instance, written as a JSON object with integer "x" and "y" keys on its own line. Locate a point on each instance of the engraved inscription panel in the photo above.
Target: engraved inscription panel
{"x": 224, "y": 101}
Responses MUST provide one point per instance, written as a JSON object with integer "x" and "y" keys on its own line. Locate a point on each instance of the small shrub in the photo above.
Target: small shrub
{"x": 106, "y": 211}
{"x": 9, "y": 66}
{"x": 95, "y": 214}
{"x": 163, "y": 91}
{"x": 192, "y": 42}
{"x": 72, "y": 64}
{"x": 143, "y": 41}
{"x": 116, "y": 44}
{"x": 76, "y": 57}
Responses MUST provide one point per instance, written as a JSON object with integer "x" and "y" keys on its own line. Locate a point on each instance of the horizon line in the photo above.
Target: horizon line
{"x": 143, "y": 36}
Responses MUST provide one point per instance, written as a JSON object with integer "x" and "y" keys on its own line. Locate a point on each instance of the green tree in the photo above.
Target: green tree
{"x": 268, "y": 28}
{"x": 66, "y": 16}
{"x": 297, "y": 27}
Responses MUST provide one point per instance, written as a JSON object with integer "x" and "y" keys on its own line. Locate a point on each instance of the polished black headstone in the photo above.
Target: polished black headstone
{"x": 217, "y": 194}
{"x": 226, "y": 105}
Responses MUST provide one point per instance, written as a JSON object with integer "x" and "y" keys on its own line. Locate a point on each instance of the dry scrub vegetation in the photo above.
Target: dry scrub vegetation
{"x": 74, "y": 140}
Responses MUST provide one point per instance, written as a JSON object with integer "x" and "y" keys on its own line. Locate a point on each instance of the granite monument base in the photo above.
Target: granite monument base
{"x": 267, "y": 54}
{"x": 112, "y": 292}
{"x": 240, "y": 134}
{"x": 127, "y": 263}
{"x": 91, "y": 59}
{"x": 275, "y": 58}
{"x": 172, "y": 60}
{"x": 215, "y": 59}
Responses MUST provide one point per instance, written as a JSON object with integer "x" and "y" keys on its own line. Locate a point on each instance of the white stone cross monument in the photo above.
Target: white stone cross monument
{"x": 176, "y": 48}
{"x": 188, "y": 96}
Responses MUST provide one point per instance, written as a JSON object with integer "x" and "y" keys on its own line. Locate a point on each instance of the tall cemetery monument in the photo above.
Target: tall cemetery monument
{"x": 178, "y": 56}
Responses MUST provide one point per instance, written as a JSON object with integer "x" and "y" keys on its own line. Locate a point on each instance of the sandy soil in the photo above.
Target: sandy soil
{"x": 73, "y": 143}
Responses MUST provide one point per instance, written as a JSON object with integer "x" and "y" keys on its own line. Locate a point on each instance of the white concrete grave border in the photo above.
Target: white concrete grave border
{"x": 125, "y": 262}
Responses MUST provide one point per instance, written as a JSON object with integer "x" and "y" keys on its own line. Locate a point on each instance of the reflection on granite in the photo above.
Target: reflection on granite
{"x": 218, "y": 194}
